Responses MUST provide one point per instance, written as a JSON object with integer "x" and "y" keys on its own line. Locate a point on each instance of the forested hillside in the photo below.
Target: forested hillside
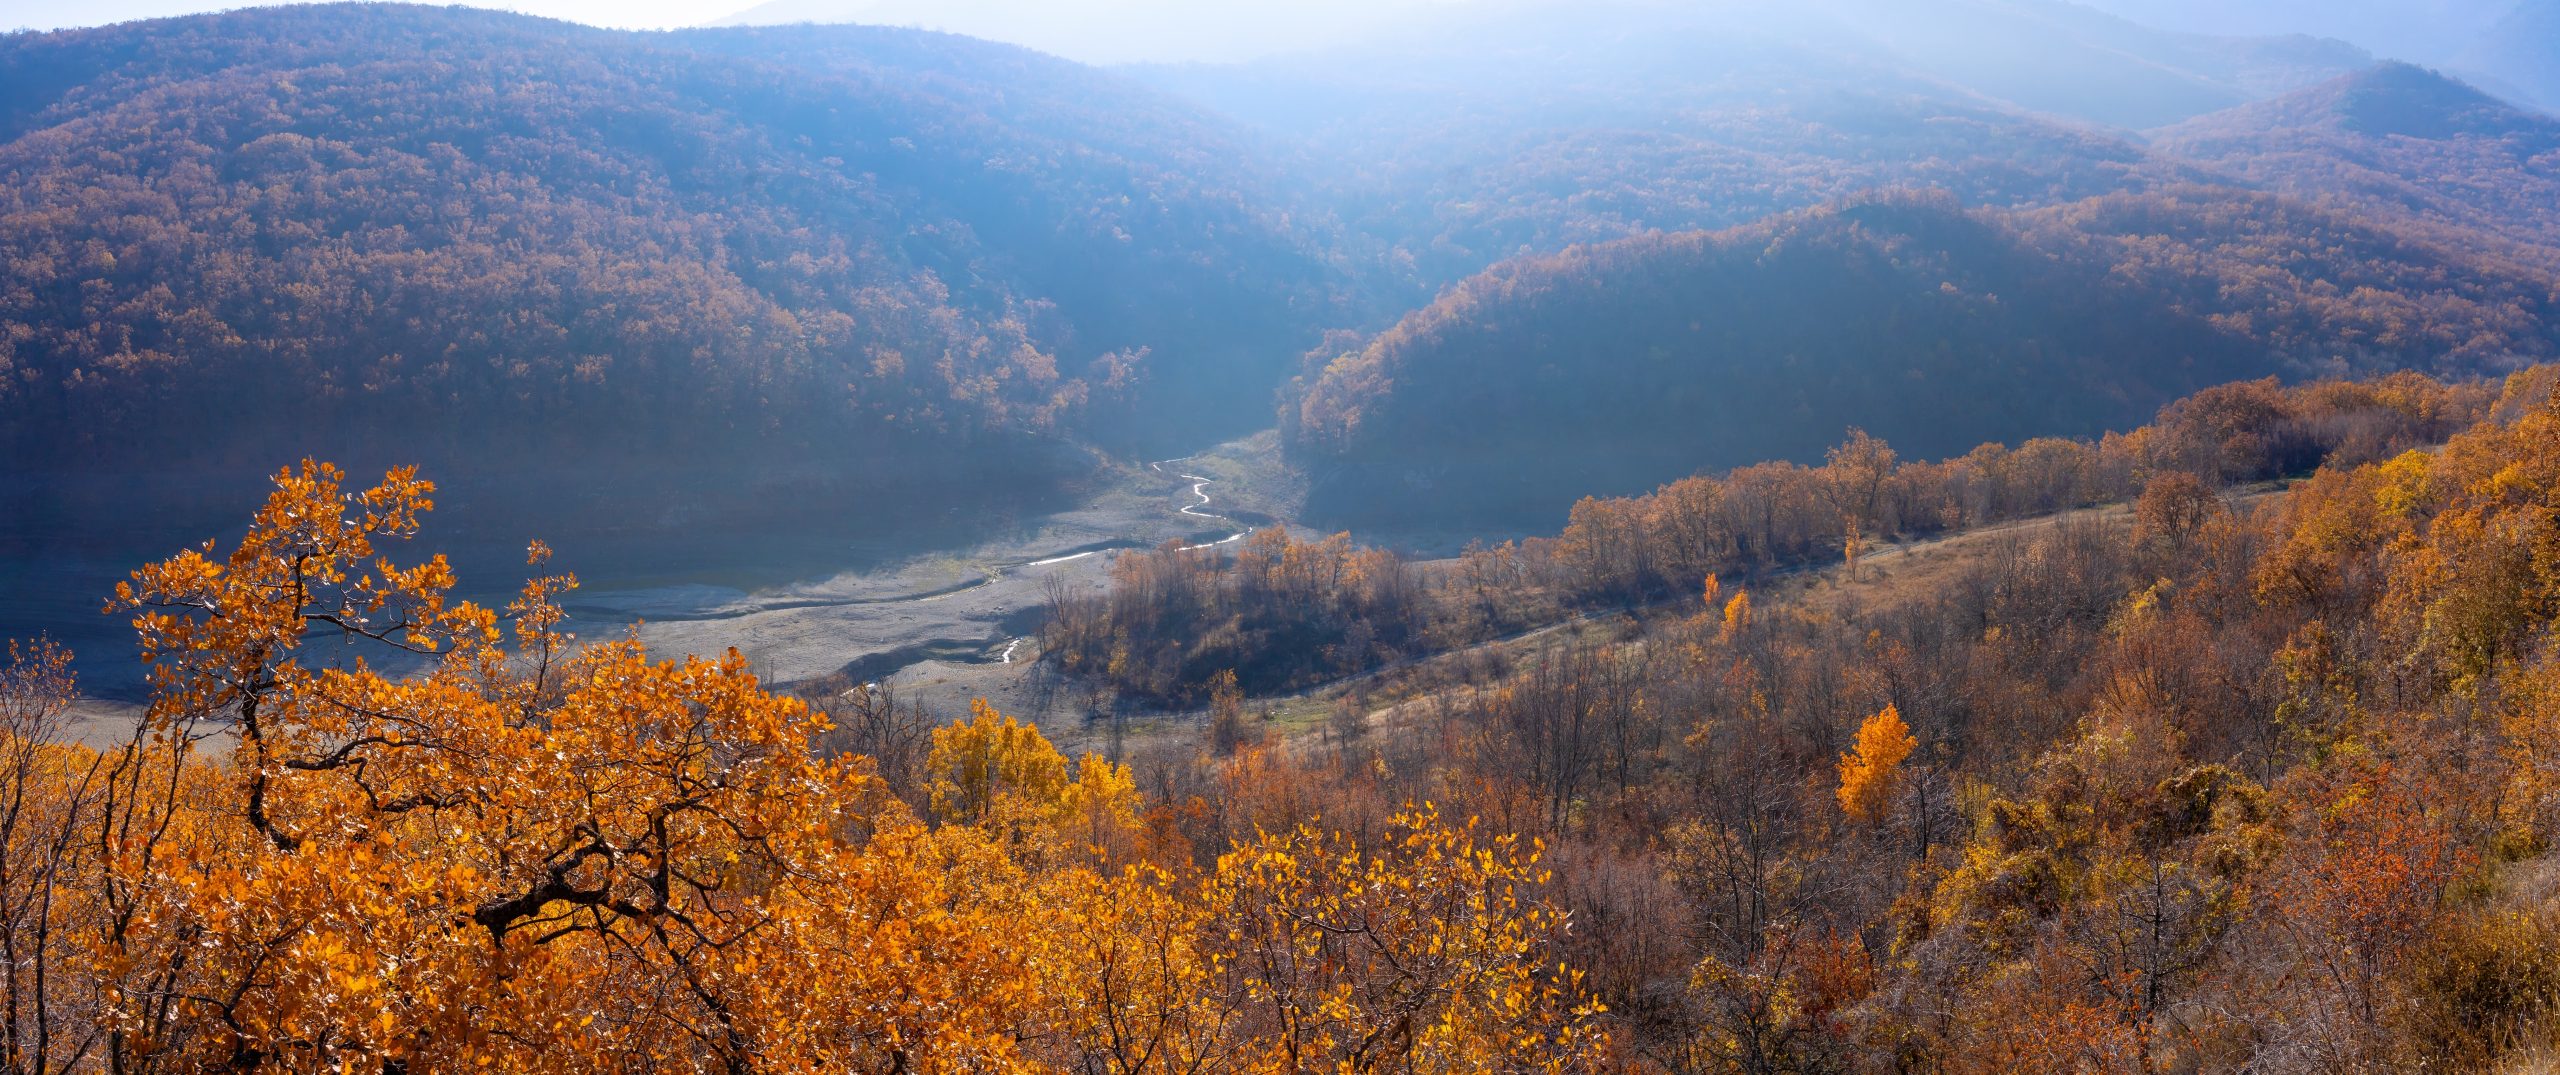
{"x": 904, "y": 241}
{"x": 346, "y": 220}
{"x": 1805, "y": 537}
{"x": 2218, "y": 779}
{"x": 1442, "y": 204}
{"x": 2402, "y": 145}
{"x": 1929, "y": 325}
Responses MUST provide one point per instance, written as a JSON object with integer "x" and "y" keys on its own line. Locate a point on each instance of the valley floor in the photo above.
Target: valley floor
{"x": 953, "y": 625}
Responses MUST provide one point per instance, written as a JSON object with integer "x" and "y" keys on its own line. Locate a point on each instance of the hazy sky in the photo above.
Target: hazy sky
{"x": 1094, "y": 31}
{"x": 629, "y": 14}
{"x": 1112, "y": 31}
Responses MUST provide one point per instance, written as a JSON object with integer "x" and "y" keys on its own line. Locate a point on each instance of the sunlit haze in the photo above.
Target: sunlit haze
{"x": 1094, "y": 31}
{"x": 1043, "y": 537}
{"x": 619, "y": 14}
{"x": 1128, "y": 31}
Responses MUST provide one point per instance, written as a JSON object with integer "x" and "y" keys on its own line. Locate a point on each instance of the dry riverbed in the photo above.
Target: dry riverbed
{"x": 957, "y": 624}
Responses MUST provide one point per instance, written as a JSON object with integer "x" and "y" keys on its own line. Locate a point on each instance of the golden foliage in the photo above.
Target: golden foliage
{"x": 1871, "y": 771}
{"x": 528, "y": 853}
{"x": 992, "y": 762}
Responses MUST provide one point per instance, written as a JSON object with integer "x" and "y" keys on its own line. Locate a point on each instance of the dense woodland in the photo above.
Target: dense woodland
{"x": 770, "y": 243}
{"x": 1932, "y": 326}
{"x": 377, "y": 216}
{"x": 2399, "y": 144}
{"x": 2236, "y": 785}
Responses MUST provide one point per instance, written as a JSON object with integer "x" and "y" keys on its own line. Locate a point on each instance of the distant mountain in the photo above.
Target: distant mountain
{"x": 2427, "y": 31}
{"x": 1523, "y": 128}
{"x": 2068, "y": 60}
{"x": 2509, "y": 47}
{"x": 2402, "y": 144}
{"x": 2047, "y": 56}
{"x": 348, "y": 226}
{"x": 1114, "y": 31}
{"x": 1446, "y": 209}
{"x": 1616, "y": 367}
{"x": 2520, "y": 55}
{"x": 2389, "y": 100}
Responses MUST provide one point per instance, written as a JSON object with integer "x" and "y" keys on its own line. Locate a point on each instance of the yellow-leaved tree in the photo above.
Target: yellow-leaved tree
{"x": 991, "y": 762}
{"x": 1423, "y": 954}
{"x": 1871, "y": 771}
{"x": 1006, "y": 779}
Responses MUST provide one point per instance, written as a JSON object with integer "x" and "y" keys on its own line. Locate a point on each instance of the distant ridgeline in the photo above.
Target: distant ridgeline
{"x": 1528, "y": 127}
{"x": 2401, "y": 144}
{"x": 448, "y": 231}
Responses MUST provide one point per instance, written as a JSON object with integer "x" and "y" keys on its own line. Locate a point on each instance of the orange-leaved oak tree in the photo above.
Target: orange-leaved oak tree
{"x": 524, "y": 853}
{"x": 367, "y": 826}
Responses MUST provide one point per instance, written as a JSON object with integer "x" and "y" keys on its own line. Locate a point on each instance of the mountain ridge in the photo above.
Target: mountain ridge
{"x": 808, "y": 248}
{"x": 2407, "y": 144}
{"x": 1614, "y": 367}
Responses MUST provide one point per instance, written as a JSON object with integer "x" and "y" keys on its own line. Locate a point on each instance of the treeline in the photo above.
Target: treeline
{"x": 1776, "y": 515}
{"x": 1619, "y": 366}
{"x": 595, "y": 242}
{"x": 1285, "y": 613}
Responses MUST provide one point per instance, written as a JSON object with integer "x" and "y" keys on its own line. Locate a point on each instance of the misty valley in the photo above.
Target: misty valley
{"x": 1435, "y": 536}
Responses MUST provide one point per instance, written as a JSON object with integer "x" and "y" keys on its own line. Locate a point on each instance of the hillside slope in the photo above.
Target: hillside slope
{"x": 2399, "y": 144}
{"x": 1134, "y": 30}
{"x": 355, "y": 218}
{"x": 1617, "y": 367}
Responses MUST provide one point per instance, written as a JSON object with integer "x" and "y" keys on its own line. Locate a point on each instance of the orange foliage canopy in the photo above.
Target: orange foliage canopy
{"x": 1872, "y": 770}
{"x": 449, "y": 837}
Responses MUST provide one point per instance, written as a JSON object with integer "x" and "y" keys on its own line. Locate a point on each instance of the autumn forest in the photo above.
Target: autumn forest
{"x": 1660, "y": 537}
